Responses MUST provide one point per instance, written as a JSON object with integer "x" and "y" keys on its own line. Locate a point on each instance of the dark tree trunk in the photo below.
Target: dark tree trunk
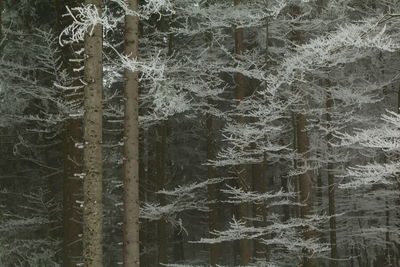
{"x": 73, "y": 156}
{"x": 162, "y": 232}
{"x": 303, "y": 147}
{"x": 331, "y": 187}
{"x": 243, "y": 171}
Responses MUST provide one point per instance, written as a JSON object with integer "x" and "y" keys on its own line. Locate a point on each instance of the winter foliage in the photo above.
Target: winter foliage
{"x": 269, "y": 131}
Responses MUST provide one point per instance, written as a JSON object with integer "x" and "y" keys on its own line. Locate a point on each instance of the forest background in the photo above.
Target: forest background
{"x": 199, "y": 133}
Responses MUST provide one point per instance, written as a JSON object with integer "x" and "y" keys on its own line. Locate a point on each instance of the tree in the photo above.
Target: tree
{"x": 331, "y": 186}
{"x": 72, "y": 184}
{"x": 303, "y": 148}
{"x": 243, "y": 170}
{"x": 131, "y": 143}
{"x": 92, "y": 136}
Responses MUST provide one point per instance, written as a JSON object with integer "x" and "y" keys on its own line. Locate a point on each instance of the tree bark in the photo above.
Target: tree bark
{"x": 92, "y": 155}
{"x": 131, "y": 144}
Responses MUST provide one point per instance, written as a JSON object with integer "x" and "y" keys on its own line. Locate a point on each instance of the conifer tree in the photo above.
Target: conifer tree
{"x": 131, "y": 143}
{"x": 72, "y": 141}
{"x": 92, "y": 136}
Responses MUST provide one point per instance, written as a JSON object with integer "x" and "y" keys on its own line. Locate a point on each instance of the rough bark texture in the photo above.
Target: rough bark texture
{"x": 331, "y": 189}
{"x": 92, "y": 156}
{"x": 303, "y": 147}
{"x": 131, "y": 145}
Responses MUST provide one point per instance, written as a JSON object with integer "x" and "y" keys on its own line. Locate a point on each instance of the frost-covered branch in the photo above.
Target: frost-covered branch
{"x": 85, "y": 18}
{"x": 148, "y": 8}
{"x": 286, "y": 234}
{"x": 238, "y": 195}
{"x": 182, "y": 198}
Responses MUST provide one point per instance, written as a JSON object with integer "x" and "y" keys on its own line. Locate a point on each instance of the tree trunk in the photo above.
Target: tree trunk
{"x": 305, "y": 178}
{"x": 212, "y": 189}
{"x": 72, "y": 194}
{"x": 1, "y": 19}
{"x": 162, "y": 234}
{"x": 243, "y": 170}
{"x": 259, "y": 184}
{"x": 131, "y": 144}
{"x": 305, "y": 183}
{"x": 178, "y": 249}
{"x": 73, "y": 156}
{"x": 259, "y": 178}
{"x": 303, "y": 147}
{"x": 331, "y": 187}
{"x": 150, "y": 239}
{"x": 296, "y": 184}
{"x": 92, "y": 155}
{"x": 161, "y": 153}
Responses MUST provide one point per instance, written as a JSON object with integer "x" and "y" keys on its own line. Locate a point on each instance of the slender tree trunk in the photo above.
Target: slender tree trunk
{"x": 303, "y": 147}
{"x": 73, "y": 156}
{"x": 296, "y": 208}
{"x": 1, "y": 20}
{"x": 259, "y": 172}
{"x": 243, "y": 170}
{"x": 396, "y": 245}
{"x": 151, "y": 259}
{"x": 162, "y": 230}
{"x": 259, "y": 184}
{"x": 212, "y": 188}
{"x": 305, "y": 183}
{"x": 131, "y": 144}
{"x": 388, "y": 253}
{"x": 72, "y": 194}
{"x": 162, "y": 234}
{"x": 319, "y": 192}
{"x": 305, "y": 178}
{"x": 178, "y": 251}
{"x": 331, "y": 187}
{"x": 92, "y": 156}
